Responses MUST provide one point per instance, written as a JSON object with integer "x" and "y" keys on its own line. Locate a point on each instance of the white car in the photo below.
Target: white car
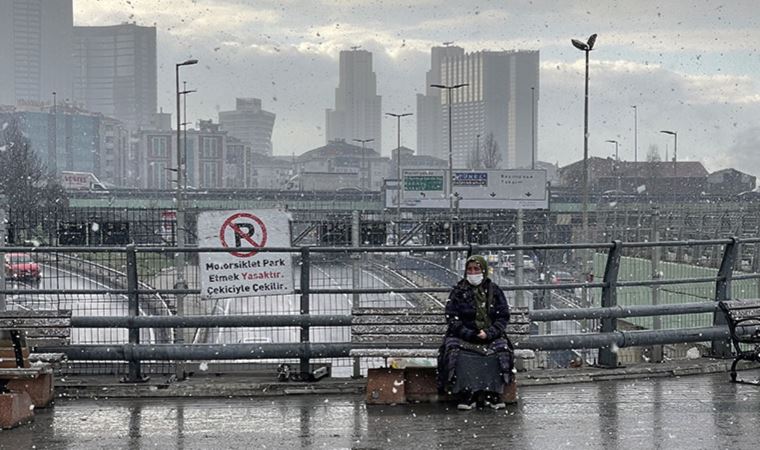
{"x": 508, "y": 263}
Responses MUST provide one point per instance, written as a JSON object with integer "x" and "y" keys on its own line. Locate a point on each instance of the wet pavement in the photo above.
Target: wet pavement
{"x": 694, "y": 412}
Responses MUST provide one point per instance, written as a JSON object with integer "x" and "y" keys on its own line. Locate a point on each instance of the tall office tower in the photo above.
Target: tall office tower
{"x": 429, "y": 104}
{"x": 249, "y": 123}
{"x": 36, "y": 46}
{"x": 498, "y": 101}
{"x": 115, "y": 72}
{"x": 357, "y": 113}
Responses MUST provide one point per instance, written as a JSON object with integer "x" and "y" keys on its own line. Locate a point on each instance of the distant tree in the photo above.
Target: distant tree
{"x": 24, "y": 179}
{"x": 490, "y": 155}
{"x": 474, "y": 161}
{"x": 653, "y": 154}
{"x": 653, "y": 158}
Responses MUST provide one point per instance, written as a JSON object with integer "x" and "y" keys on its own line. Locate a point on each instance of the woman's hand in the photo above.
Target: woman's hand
{"x": 482, "y": 335}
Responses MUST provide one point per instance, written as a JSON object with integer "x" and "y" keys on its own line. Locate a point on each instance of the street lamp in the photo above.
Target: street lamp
{"x": 450, "y": 88}
{"x": 675, "y": 149}
{"x": 398, "y": 171}
{"x": 615, "y": 166}
{"x": 585, "y": 47}
{"x": 179, "y": 259}
{"x": 635, "y": 133}
{"x": 184, "y": 93}
{"x": 533, "y": 127}
{"x": 363, "y": 169}
{"x": 612, "y": 141}
{"x": 53, "y": 156}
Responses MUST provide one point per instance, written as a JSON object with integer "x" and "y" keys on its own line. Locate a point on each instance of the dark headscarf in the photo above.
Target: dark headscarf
{"x": 481, "y": 262}
{"x": 481, "y": 296}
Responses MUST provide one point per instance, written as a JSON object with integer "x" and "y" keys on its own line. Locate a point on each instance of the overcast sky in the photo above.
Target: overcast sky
{"x": 689, "y": 66}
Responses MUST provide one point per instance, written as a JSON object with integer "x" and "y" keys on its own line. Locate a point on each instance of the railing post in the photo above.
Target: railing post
{"x": 305, "y": 280}
{"x": 608, "y": 355}
{"x": 133, "y": 298}
{"x": 355, "y": 276}
{"x": 519, "y": 278}
{"x": 657, "y": 350}
{"x": 722, "y": 348}
{"x": 2, "y": 244}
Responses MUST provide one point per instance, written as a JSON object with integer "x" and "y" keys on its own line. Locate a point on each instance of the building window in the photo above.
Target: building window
{"x": 209, "y": 147}
{"x": 158, "y": 146}
{"x": 157, "y": 175}
{"x": 209, "y": 174}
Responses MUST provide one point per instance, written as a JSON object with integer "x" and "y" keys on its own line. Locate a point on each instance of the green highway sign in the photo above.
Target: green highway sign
{"x": 423, "y": 183}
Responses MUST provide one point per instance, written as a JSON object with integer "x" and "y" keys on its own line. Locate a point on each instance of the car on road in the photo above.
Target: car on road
{"x": 509, "y": 263}
{"x": 561, "y": 277}
{"x": 21, "y": 267}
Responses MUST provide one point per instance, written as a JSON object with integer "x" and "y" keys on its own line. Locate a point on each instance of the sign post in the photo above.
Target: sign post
{"x": 248, "y": 271}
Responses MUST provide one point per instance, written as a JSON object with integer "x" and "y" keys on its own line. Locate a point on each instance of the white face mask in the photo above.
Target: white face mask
{"x": 475, "y": 279}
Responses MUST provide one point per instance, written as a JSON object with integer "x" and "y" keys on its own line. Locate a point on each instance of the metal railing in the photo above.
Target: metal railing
{"x": 305, "y": 315}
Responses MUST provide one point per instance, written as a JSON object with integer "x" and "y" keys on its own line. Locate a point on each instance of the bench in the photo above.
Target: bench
{"x": 743, "y": 318}
{"x": 414, "y": 333}
{"x": 24, "y": 366}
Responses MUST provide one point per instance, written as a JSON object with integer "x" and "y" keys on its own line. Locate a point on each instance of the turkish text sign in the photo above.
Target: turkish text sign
{"x": 246, "y": 272}
{"x": 475, "y": 189}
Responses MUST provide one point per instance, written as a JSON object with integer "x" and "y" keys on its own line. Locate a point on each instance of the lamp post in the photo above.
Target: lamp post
{"x": 53, "y": 156}
{"x": 585, "y": 47}
{"x": 179, "y": 259}
{"x": 675, "y": 149}
{"x": 398, "y": 172}
{"x": 184, "y": 93}
{"x": 533, "y": 128}
{"x": 363, "y": 168}
{"x": 635, "y": 133}
{"x": 615, "y": 167}
{"x": 448, "y": 89}
{"x": 450, "y": 184}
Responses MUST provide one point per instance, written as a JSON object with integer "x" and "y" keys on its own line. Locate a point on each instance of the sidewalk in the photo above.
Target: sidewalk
{"x": 244, "y": 385}
{"x": 696, "y": 412}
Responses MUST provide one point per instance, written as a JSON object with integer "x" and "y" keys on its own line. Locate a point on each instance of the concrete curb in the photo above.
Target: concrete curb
{"x": 237, "y": 385}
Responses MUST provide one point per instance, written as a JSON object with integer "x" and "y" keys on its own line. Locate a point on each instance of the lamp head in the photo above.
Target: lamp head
{"x": 580, "y": 45}
{"x": 189, "y": 62}
{"x": 591, "y": 41}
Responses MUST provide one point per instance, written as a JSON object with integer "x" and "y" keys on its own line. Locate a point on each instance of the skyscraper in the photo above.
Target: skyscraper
{"x": 429, "y": 112}
{"x": 357, "y": 113}
{"x": 249, "y": 123}
{"x": 497, "y": 102}
{"x": 115, "y": 72}
{"x": 36, "y": 47}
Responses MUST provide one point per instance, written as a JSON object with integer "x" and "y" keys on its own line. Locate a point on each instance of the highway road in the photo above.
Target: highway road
{"x": 79, "y": 304}
{"x": 324, "y": 276}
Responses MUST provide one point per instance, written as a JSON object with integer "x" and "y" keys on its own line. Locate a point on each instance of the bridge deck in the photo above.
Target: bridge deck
{"x": 700, "y": 411}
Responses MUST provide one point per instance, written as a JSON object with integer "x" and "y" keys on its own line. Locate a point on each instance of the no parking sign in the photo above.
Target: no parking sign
{"x": 246, "y": 272}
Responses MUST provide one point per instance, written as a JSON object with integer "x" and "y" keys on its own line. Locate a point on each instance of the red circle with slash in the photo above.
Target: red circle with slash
{"x": 241, "y": 236}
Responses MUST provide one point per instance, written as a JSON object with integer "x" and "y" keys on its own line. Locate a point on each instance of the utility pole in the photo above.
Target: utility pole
{"x": 533, "y": 128}
{"x": 450, "y": 183}
{"x": 179, "y": 257}
{"x": 363, "y": 169}
{"x": 398, "y": 172}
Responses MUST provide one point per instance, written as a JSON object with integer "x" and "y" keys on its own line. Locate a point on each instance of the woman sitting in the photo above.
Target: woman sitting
{"x": 475, "y": 361}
